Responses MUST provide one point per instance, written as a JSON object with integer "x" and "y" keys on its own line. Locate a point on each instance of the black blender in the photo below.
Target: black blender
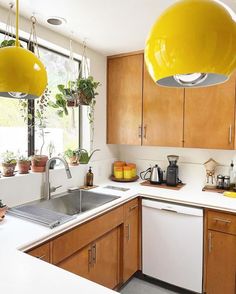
{"x": 172, "y": 171}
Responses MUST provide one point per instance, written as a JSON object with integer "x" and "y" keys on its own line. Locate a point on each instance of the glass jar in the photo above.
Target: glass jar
{"x": 133, "y": 168}
{"x": 127, "y": 172}
{"x": 118, "y": 172}
{"x": 220, "y": 182}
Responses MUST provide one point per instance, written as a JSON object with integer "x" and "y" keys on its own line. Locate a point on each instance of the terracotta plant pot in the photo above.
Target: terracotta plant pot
{"x": 74, "y": 160}
{"x": 38, "y": 163}
{"x": 8, "y": 169}
{"x": 73, "y": 103}
{"x": 3, "y": 211}
{"x": 23, "y": 166}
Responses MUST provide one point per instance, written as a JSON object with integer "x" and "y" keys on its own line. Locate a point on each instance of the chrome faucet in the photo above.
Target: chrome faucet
{"x": 48, "y": 189}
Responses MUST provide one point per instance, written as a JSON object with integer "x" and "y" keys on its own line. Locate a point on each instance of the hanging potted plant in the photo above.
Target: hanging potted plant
{"x": 23, "y": 164}
{"x": 86, "y": 90}
{"x": 72, "y": 156}
{"x": 8, "y": 164}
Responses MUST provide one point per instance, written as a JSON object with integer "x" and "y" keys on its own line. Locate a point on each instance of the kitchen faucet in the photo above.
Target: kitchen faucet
{"x": 48, "y": 189}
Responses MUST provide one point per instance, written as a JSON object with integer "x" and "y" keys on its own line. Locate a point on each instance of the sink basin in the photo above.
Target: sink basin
{"x": 76, "y": 202}
{"x": 61, "y": 209}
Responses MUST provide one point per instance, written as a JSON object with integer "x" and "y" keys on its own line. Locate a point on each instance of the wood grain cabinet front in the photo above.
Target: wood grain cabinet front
{"x": 220, "y": 253}
{"x": 209, "y": 120}
{"x": 124, "y": 104}
{"x": 41, "y": 252}
{"x": 131, "y": 256}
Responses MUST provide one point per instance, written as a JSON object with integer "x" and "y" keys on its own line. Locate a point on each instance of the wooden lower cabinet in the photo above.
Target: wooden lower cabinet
{"x": 104, "y": 250}
{"x": 99, "y": 261}
{"x": 220, "y": 252}
{"x": 41, "y": 252}
{"x": 131, "y": 239}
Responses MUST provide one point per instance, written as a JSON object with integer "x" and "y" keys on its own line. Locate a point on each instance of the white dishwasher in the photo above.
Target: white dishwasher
{"x": 172, "y": 243}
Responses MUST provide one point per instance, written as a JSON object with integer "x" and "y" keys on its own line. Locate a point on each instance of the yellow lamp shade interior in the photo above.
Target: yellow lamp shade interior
{"x": 193, "y": 43}
{"x": 22, "y": 74}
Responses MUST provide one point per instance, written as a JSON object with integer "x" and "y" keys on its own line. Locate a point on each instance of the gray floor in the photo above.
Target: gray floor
{"x": 137, "y": 286}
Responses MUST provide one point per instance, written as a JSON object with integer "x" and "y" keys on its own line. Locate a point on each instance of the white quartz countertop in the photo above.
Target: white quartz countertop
{"x": 24, "y": 274}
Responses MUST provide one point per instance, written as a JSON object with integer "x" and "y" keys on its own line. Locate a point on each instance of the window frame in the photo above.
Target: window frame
{"x": 31, "y": 102}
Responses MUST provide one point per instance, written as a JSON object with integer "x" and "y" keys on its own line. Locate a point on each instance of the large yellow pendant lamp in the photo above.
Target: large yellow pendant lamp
{"x": 192, "y": 44}
{"x": 22, "y": 74}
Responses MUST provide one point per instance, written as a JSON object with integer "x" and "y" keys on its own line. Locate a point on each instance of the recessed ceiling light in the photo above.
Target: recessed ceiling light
{"x": 56, "y": 21}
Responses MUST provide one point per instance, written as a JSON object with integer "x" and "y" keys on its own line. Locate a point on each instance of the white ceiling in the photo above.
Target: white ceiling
{"x": 109, "y": 26}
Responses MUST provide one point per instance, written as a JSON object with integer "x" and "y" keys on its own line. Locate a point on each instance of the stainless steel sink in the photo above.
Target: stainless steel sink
{"x": 61, "y": 209}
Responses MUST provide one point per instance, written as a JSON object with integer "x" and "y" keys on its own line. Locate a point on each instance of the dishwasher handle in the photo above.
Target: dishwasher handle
{"x": 170, "y": 207}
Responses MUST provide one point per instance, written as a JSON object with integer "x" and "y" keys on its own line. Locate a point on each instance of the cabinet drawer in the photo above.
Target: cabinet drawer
{"x": 222, "y": 222}
{"x": 72, "y": 241}
{"x": 41, "y": 252}
{"x": 130, "y": 207}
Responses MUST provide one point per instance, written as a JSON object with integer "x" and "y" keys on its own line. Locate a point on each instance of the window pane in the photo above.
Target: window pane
{"x": 60, "y": 133}
{"x": 13, "y": 129}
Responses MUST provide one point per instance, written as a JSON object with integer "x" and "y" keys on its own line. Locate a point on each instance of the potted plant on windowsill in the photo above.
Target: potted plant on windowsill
{"x": 38, "y": 161}
{"x": 23, "y": 164}
{"x": 3, "y": 210}
{"x": 8, "y": 164}
{"x": 72, "y": 157}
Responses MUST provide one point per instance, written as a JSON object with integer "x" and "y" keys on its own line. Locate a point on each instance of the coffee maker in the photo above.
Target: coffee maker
{"x": 172, "y": 171}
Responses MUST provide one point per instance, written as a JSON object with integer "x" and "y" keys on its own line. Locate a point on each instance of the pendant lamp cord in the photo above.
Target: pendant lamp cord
{"x": 17, "y": 23}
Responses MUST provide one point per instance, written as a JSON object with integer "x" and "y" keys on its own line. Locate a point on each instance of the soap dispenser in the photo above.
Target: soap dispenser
{"x": 89, "y": 177}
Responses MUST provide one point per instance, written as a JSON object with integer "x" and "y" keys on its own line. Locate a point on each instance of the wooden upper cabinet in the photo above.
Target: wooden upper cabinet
{"x": 124, "y": 109}
{"x": 210, "y": 116}
{"x": 162, "y": 114}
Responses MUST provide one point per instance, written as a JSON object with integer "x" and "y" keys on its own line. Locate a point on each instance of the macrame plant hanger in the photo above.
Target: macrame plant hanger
{"x": 9, "y": 33}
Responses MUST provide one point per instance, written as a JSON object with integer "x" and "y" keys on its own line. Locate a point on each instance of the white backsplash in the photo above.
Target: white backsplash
{"x": 191, "y": 168}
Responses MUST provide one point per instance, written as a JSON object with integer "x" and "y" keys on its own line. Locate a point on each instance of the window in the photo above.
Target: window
{"x": 60, "y": 133}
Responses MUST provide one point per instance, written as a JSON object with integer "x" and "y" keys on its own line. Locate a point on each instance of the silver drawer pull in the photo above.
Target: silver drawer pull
{"x": 222, "y": 220}
{"x": 133, "y": 207}
{"x": 41, "y": 257}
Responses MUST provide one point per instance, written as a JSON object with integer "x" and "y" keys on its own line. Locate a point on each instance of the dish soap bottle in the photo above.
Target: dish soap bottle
{"x": 89, "y": 177}
{"x": 232, "y": 173}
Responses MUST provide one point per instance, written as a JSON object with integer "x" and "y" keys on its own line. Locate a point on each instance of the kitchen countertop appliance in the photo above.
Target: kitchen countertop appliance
{"x": 172, "y": 171}
{"x": 172, "y": 243}
{"x": 155, "y": 177}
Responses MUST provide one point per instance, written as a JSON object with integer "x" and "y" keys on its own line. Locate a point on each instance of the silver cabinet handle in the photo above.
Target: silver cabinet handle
{"x": 94, "y": 254}
{"x": 230, "y": 134}
{"x": 210, "y": 247}
{"x": 140, "y": 131}
{"x": 133, "y": 207}
{"x": 89, "y": 259}
{"x": 145, "y": 132}
{"x": 222, "y": 220}
{"x": 128, "y": 232}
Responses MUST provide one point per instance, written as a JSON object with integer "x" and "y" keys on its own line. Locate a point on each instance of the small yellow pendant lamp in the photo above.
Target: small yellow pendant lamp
{"x": 22, "y": 74}
{"x": 192, "y": 44}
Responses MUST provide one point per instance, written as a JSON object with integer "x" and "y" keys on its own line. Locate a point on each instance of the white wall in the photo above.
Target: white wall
{"x": 20, "y": 189}
{"x": 191, "y": 169}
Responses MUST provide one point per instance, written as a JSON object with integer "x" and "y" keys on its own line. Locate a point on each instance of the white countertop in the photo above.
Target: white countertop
{"x": 23, "y": 274}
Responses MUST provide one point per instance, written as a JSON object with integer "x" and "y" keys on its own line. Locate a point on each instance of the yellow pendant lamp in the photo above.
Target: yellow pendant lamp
{"x": 192, "y": 44}
{"x": 22, "y": 74}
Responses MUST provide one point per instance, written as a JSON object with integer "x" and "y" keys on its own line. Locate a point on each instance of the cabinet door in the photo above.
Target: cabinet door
{"x": 106, "y": 259}
{"x": 209, "y": 116}
{"x": 162, "y": 114}
{"x": 131, "y": 240}
{"x": 79, "y": 263}
{"x": 42, "y": 252}
{"x": 124, "y": 104}
{"x": 221, "y": 263}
